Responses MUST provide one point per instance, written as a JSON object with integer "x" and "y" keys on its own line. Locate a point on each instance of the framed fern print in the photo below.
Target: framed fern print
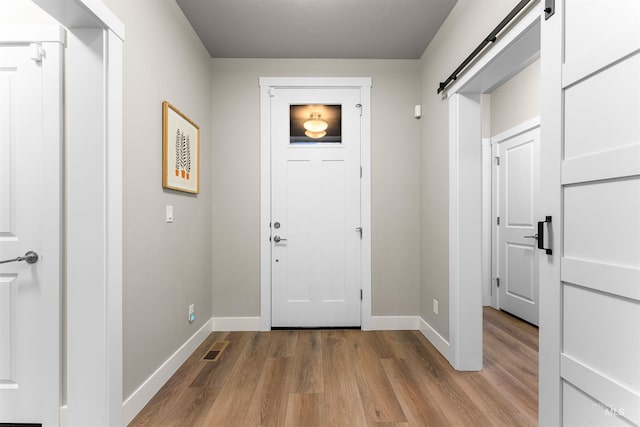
{"x": 180, "y": 151}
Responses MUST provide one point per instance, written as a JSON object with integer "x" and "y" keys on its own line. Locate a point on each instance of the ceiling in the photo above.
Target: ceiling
{"x": 357, "y": 29}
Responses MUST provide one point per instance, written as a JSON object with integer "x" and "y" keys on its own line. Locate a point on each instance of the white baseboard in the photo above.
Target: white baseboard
{"x": 435, "y": 338}
{"x": 394, "y": 323}
{"x": 236, "y": 323}
{"x": 139, "y": 398}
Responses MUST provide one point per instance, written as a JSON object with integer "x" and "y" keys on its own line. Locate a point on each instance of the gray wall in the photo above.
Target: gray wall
{"x": 166, "y": 266}
{"x": 468, "y": 23}
{"x": 517, "y": 100}
{"x": 210, "y": 254}
{"x": 236, "y": 179}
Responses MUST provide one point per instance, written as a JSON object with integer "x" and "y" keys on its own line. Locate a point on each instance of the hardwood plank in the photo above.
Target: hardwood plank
{"x": 388, "y": 424}
{"x": 307, "y": 371}
{"x": 192, "y": 407}
{"x": 283, "y": 343}
{"x": 352, "y": 378}
{"x": 520, "y": 361}
{"x": 510, "y": 419}
{"x": 385, "y": 424}
{"x": 436, "y": 375}
{"x": 383, "y": 346}
{"x": 167, "y": 397}
{"x": 269, "y": 404}
{"x": 511, "y": 360}
{"x": 343, "y": 406}
{"x": 523, "y": 332}
{"x": 488, "y": 394}
{"x": 378, "y": 398}
{"x": 214, "y": 374}
{"x": 237, "y": 392}
{"x": 484, "y": 395}
{"x": 416, "y": 404}
{"x": 524, "y": 398}
{"x": 305, "y": 409}
{"x": 499, "y": 338}
{"x": 394, "y": 343}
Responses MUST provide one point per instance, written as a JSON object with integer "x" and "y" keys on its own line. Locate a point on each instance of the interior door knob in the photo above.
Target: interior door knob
{"x": 278, "y": 239}
{"x": 30, "y": 258}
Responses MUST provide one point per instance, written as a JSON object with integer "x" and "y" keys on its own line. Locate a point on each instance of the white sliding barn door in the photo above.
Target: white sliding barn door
{"x": 590, "y": 285}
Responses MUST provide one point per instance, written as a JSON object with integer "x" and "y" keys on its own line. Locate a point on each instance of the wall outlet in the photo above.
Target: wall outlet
{"x": 192, "y": 313}
{"x": 435, "y": 306}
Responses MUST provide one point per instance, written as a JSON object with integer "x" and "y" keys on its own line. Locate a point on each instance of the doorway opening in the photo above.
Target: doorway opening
{"x": 519, "y": 48}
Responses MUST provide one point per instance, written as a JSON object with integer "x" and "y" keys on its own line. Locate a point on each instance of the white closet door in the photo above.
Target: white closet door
{"x": 30, "y": 195}
{"x": 517, "y": 248}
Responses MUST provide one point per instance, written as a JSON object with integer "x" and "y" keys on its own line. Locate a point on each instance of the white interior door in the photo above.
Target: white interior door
{"x": 590, "y": 338}
{"x": 315, "y": 209}
{"x": 518, "y": 182}
{"x": 29, "y": 221}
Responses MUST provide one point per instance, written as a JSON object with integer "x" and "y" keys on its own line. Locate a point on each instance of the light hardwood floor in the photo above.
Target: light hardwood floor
{"x": 350, "y": 378}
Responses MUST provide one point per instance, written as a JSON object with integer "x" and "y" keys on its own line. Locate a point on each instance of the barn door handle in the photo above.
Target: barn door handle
{"x": 30, "y": 257}
{"x": 541, "y": 235}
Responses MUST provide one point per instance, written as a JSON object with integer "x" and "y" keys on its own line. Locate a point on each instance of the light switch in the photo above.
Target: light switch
{"x": 169, "y": 213}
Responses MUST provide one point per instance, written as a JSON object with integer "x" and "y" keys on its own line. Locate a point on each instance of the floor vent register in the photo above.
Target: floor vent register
{"x": 215, "y": 351}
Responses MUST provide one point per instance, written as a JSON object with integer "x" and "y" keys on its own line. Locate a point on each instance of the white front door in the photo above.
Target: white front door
{"x": 315, "y": 208}
{"x": 517, "y": 194}
{"x": 590, "y": 288}
{"x": 29, "y": 221}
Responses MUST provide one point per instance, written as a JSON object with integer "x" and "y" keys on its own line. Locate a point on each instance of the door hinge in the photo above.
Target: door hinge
{"x": 497, "y": 220}
{"x": 359, "y": 106}
{"x": 360, "y": 171}
{"x": 549, "y": 8}
{"x": 37, "y": 52}
{"x": 360, "y": 294}
{"x": 272, "y": 92}
{"x": 497, "y": 160}
{"x": 359, "y": 230}
{"x": 497, "y": 282}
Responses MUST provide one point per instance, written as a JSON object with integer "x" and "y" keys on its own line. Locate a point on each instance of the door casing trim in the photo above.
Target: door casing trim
{"x": 94, "y": 246}
{"x": 267, "y": 84}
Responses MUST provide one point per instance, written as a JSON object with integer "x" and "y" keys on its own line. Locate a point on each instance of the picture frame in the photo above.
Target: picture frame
{"x": 180, "y": 151}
